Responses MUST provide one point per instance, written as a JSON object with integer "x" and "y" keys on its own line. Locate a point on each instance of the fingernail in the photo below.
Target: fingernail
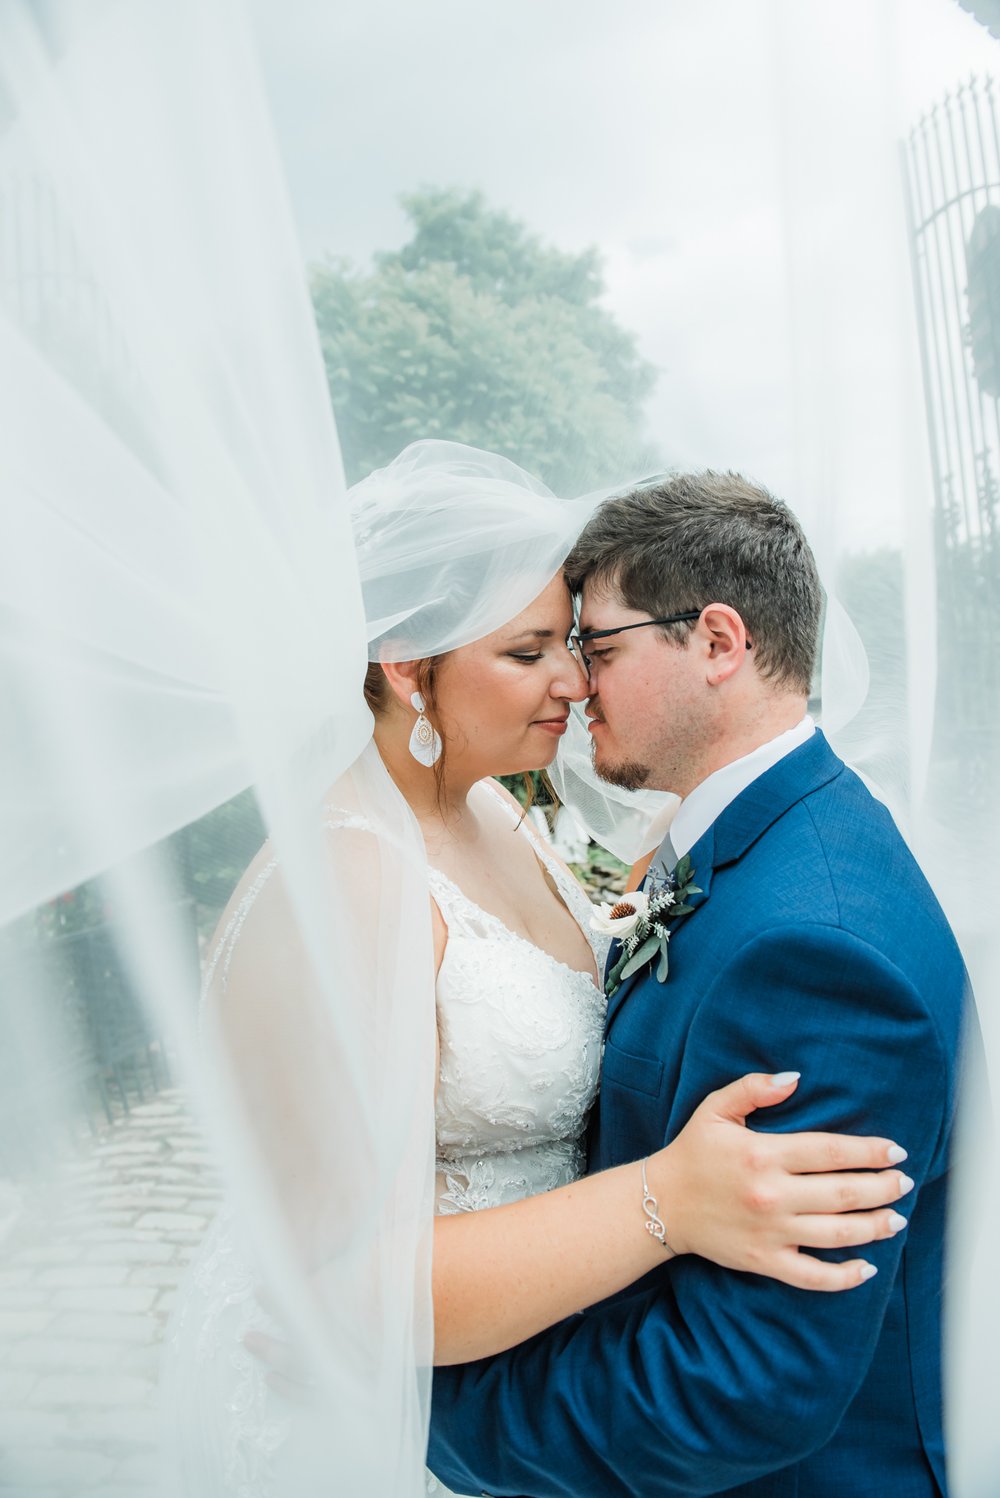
{"x": 783, "y": 1078}
{"x": 896, "y": 1222}
{"x": 896, "y": 1154}
{"x": 868, "y": 1271}
{"x": 905, "y": 1184}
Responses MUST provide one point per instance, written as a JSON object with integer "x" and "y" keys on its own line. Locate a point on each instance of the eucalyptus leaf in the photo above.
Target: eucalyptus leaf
{"x": 639, "y": 959}
{"x": 614, "y": 976}
{"x": 661, "y": 966}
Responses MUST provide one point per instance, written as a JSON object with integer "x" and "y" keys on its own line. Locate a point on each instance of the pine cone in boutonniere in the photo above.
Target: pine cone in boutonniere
{"x": 641, "y": 921}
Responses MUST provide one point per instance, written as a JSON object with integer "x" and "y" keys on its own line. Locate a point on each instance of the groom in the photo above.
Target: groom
{"x": 815, "y": 944}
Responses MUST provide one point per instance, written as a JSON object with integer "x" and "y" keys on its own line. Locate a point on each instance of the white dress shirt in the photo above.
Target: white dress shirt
{"x": 708, "y": 801}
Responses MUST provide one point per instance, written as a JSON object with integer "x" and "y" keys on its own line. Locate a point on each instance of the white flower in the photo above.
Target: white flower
{"x": 621, "y": 918}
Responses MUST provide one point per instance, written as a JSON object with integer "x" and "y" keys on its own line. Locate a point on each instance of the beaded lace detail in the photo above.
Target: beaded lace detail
{"x": 226, "y": 945}
{"x": 520, "y": 1036}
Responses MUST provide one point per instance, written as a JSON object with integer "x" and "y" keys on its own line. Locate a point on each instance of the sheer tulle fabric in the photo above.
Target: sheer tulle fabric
{"x": 183, "y": 615}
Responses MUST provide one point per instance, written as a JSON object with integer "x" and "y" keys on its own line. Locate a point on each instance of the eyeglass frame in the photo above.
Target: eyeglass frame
{"x": 578, "y": 641}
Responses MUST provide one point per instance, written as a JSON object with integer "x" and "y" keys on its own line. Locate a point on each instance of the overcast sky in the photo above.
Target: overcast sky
{"x": 734, "y": 160}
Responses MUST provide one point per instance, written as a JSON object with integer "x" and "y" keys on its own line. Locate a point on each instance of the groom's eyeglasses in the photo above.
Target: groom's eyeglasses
{"x": 578, "y": 643}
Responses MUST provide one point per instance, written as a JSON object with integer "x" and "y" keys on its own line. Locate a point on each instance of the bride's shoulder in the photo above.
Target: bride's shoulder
{"x": 261, "y": 898}
{"x": 516, "y": 815}
{"x": 498, "y": 794}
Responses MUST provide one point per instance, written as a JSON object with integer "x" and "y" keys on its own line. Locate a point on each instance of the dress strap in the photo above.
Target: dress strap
{"x": 573, "y": 896}
{"x": 226, "y": 945}
{"x": 462, "y": 916}
{"x": 334, "y": 820}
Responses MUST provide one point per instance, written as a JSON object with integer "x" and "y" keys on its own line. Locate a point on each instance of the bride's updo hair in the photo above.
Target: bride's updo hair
{"x": 375, "y": 688}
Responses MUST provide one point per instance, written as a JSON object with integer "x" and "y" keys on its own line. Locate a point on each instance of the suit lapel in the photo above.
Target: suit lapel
{"x": 739, "y": 826}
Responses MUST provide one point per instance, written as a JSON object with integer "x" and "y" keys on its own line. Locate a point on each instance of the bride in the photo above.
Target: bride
{"x": 520, "y": 1240}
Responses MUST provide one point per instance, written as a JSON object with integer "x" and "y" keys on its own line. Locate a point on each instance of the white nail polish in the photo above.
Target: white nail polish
{"x": 896, "y": 1155}
{"x": 868, "y": 1271}
{"x": 783, "y": 1078}
{"x": 905, "y": 1184}
{"x": 896, "y": 1222}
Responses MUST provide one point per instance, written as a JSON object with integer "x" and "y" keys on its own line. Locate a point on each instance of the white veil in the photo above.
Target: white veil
{"x": 182, "y": 616}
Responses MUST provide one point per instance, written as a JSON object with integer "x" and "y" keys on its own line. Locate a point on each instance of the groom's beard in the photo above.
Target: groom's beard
{"x": 630, "y": 774}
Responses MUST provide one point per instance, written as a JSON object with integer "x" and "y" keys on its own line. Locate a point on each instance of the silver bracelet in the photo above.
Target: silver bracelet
{"x": 655, "y": 1225}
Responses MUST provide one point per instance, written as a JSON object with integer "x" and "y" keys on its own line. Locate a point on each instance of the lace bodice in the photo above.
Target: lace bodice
{"x": 520, "y": 1046}
{"x": 520, "y": 1037}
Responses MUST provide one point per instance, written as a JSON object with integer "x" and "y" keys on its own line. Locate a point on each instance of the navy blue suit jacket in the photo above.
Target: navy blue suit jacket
{"x": 816, "y": 946}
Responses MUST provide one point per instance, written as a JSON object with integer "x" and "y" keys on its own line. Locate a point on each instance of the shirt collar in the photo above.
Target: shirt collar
{"x": 708, "y": 801}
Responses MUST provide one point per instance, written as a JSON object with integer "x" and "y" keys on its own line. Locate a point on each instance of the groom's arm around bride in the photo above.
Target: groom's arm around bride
{"x": 816, "y": 945}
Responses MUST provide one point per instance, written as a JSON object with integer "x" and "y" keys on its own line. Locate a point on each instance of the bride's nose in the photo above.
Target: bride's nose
{"x": 571, "y": 683}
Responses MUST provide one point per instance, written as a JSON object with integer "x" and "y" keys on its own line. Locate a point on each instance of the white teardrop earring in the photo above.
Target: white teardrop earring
{"x": 425, "y": 741}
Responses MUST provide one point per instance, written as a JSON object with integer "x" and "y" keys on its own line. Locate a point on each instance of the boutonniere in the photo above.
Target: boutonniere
{"x": 641, "y": 921}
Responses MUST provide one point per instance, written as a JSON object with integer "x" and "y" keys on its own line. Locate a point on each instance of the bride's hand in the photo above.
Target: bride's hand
{"x": 750, "y": 1201}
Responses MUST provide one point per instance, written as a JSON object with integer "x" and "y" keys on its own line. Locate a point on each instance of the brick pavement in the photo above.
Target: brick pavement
{"x": 88, "y": 1274}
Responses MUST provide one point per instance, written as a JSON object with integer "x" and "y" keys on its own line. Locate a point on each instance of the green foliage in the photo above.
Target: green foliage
{"x": 532, "y": 788}
{"x": 79, "y": 909}
{"x": 478, "y": 332}
{"x": 602, "y": 867}
{"x": 212, "y": 854}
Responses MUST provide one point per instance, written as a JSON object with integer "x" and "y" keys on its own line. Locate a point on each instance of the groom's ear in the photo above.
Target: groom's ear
{"x": 724, "y": 639}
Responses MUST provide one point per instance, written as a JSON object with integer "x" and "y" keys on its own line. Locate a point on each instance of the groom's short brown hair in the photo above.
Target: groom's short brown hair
{"x": 699, "y": 538}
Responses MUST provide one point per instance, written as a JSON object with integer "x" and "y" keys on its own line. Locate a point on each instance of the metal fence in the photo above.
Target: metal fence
{"x": 77, "y": 1042}
{"x": 952, "y": 178}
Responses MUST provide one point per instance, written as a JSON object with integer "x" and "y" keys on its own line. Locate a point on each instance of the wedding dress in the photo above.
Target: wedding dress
{"x": 520, "y": 1048}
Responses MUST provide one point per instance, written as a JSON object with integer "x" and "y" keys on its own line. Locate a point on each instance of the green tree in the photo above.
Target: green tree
{"x": 477, "y": 331}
